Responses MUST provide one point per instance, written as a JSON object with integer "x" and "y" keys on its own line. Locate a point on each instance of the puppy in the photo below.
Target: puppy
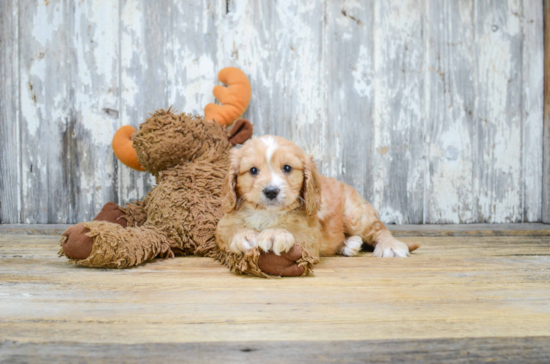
{"x": 274, "y": 198}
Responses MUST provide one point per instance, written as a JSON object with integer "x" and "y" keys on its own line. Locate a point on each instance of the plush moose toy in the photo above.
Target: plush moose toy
{"x": 188, "y": 156}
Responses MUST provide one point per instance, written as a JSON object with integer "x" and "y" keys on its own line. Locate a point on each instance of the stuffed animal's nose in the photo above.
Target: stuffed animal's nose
{"x": 271, "y": 192}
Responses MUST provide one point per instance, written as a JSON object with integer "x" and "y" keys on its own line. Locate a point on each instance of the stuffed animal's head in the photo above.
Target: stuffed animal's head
{"x": 167, "y": 139}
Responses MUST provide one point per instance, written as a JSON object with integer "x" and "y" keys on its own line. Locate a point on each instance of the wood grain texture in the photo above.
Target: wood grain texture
{"x": 433, "y": 111}
{"x": 532, "y": 108}
{"x": 451, "y": 190}
{"x": 48, "y": 125}
{"x": 167, "y": 56}
{"x": 10, "y": 163}
{"x": 89, "y": 163}
{"x": 501, "y": 350}
{"x": 245, "y": 40}
{"x": 405, "y": 230}
{"x": 453, "y": 287}
{"x": 351, "y": 94}
{"x": 69, "y": 98}
{"x": 398, "y": 164}
{"x": 499, "y": 116}
{"x": 546, "y": 125}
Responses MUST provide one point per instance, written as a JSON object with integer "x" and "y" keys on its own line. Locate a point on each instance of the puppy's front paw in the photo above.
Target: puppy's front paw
{"x": 243, "y": 241}
{"x": 276, "y": 240}
{"x": 352, "y": 246}
{"x": 391, "y": 248}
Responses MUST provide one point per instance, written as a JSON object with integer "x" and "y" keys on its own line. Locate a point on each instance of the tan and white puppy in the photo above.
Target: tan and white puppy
{"x": 274, "y": 197}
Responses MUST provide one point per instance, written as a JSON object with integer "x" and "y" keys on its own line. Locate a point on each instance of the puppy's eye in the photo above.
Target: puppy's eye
{"x": 287, "y": 168}
{"x": 253, "y": 171}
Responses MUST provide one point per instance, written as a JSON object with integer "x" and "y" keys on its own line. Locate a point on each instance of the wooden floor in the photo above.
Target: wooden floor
{"x": 458, "y": 299}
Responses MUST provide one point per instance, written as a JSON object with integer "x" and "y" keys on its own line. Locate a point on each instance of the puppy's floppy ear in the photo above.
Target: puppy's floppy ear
{"x": 311, "y": 189}
{"x": 229, "y": 188}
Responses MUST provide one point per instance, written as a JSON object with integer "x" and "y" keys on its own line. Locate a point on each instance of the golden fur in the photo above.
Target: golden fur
{"x": 322, "y": 215}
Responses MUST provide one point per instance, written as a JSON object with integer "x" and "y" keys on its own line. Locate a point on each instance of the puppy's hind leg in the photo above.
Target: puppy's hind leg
{"x": 360, "y": 219}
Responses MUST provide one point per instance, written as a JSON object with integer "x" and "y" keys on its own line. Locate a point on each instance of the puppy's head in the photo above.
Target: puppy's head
{"x": 271, "y": 173}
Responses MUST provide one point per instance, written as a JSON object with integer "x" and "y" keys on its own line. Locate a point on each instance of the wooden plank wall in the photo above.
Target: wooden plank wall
{"x": 546, "y": 142}
{"x": 432, "y": 110}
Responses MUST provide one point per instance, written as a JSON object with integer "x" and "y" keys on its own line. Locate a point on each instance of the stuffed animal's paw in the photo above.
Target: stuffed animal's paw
{"x": 285, "y": 264}
{"x": 111, "y": 213}
{"x": 75, "y": 242}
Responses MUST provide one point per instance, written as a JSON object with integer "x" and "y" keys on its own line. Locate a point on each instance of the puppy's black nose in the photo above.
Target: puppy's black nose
{"x": 271, "y": 192}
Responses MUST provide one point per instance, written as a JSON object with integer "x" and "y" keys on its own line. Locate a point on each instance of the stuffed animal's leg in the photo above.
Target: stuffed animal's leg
{"x": 117, "y": 247}
{"x": 134, "y": 213}
{"x": 76, "y": 244}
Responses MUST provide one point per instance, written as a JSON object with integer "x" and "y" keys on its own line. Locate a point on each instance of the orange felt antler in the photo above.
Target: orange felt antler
{"x": 234, "y": 98}
{"x": 123, "y": 148}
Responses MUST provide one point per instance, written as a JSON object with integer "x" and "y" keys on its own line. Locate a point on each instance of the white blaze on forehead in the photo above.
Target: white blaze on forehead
{"x": 276, "y": 180}
{"x": 271, "y": 145}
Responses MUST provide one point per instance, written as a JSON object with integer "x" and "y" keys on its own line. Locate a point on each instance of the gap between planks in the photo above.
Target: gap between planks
{"x": 526, "y": 229}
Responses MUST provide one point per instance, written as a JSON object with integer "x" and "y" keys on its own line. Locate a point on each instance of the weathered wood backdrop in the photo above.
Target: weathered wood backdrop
{"x": 431, "y": 109}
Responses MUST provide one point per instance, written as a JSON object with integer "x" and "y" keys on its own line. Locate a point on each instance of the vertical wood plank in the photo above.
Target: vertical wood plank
{"x": 88, "y": 157}
{"x": 245, "y": 40}
{"x": 398, "y": 163}
{"x": 48, "y": 190}
{"x": 167, "y": 58}
{"x": 69, "y": 98}
{"x": 10, "y": 166}
{"x": 499, "y": 117}
{"x": 350, "y": 64}
{"x": 280, "y": 45}
{"x": 532, "y": 108}
{"x": 546, "y": 118}
{"x": 449, "y": 108}
{"x": 135, "y": 97}
{"x": 299, "y": 87}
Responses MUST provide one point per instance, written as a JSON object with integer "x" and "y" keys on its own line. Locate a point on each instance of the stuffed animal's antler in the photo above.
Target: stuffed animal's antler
{"x": 234, "y": 98}
{"x": 122, "y": 146}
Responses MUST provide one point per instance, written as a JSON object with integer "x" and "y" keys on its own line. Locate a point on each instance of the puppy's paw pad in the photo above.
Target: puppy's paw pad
{"x": 276, "y": 240}
{"x": 388, "y": 249}
{"x": 352, "y": 246}
{"x": 243, "y": 241}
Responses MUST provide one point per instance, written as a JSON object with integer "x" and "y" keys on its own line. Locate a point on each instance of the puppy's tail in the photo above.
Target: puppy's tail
{"x": 413, "y": 246}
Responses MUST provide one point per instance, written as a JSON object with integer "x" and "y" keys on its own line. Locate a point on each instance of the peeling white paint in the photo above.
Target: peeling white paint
{"x": 46, "y": 23}
{"x": 361, "y": 72}
{"x": 431, "y": 111}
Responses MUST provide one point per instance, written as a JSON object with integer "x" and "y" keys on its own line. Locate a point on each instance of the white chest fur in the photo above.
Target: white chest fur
{"x": 260, "y": 220}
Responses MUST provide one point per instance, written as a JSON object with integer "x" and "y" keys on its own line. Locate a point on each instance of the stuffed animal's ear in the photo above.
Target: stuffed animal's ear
{"x": 311, "y": 189}
{"x": 241, "y": 131}
{"x": 229, "y": 188}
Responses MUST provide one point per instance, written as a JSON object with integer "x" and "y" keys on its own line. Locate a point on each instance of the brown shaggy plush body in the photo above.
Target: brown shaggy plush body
{"x": 189, "y": 159}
